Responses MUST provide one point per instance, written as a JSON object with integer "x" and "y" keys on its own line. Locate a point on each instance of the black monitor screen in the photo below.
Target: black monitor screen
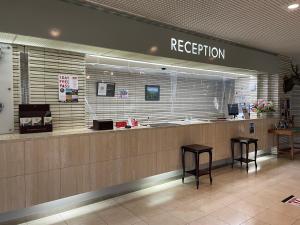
{"x": 233, "y": 109}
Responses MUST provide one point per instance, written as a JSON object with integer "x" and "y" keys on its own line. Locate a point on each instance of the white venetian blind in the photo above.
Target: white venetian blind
{"x": 44, "y": 67}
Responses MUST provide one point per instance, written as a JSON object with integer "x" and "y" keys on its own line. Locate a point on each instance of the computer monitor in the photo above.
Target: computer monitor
{"x": 233, "y": 110}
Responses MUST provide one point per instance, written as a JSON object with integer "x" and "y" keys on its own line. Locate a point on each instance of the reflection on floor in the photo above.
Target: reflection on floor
{"x": 234, "y": 198}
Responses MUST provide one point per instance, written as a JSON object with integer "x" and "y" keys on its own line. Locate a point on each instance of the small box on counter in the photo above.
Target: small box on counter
{"x": 103, "y": 125}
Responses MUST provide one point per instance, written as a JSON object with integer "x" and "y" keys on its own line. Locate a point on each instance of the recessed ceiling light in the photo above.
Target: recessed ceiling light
{"x": 293, "y": 6}
{"x": 153, "y": 49}
{"x": 54, "y": 32}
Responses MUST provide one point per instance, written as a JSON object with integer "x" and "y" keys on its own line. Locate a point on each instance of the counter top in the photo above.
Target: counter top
{"x": 15, "y": 136}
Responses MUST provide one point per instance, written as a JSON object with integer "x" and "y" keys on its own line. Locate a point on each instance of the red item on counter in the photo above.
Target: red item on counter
{"x": 121, "y": 124}
{"x": 135, "y": 123}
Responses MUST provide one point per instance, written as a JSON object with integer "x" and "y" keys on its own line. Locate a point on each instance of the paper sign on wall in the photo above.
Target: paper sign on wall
{"x": 123, "y": 93}
{"x": 106, "y": 89}
{"x": 68, "y": 88}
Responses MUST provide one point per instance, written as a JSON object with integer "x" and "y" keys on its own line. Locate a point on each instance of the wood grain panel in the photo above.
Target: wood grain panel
{"x": 42, "y": 187}
{"x": 114, "y": 172}
{"x": 169, "y": 139}
{"x": 102, "y": 147}
{"x": 12, "y": 193}
{"x": 168, "y": 160}
{"x": 209, "y": 136}
{"x": 144, "y": 166}
{"x": 125, "y": 144}
{"x": 222, "y": 141}
{"x": 146, "y": 141}
{"x": 11, "y": 159}
{"x": 42, "y": 155}
{"x": 75, "y": 180}
{"x": 74, "y": 150}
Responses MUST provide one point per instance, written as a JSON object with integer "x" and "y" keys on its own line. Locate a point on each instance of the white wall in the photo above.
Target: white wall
{"x": 6, "y": 89}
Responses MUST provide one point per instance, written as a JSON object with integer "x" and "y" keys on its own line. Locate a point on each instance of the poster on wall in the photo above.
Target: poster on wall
{"x": 106, "y": 89}
{"x": 123, "y": 93}
{"x": 68, "y": 88}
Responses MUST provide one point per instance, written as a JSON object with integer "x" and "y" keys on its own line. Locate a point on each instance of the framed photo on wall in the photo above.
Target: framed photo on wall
{"x": 106, "y": 89}
{"x": 152, "y": 92}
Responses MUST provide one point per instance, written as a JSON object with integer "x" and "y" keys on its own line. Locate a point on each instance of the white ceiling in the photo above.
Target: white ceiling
{"x": 262, "y": 24}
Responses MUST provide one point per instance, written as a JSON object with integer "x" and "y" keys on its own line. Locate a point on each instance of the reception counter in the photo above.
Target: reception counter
{"x": 38, "y": 168}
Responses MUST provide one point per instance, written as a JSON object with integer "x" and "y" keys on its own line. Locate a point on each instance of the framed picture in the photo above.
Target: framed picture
{"x": 152, "y": 92}
{"x": 106, "y": 89}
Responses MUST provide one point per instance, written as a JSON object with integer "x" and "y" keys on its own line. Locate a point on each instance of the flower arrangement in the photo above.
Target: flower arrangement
{"x": 263, "y": 106}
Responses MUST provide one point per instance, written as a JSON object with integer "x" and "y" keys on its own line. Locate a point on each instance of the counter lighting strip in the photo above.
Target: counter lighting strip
{"x": 165, "y": 65}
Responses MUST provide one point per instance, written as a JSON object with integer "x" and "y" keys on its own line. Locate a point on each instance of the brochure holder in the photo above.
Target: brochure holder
{"x": 35, "y": 118}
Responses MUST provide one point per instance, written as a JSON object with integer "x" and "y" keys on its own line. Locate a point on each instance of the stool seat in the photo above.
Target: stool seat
{"x": 244, "y": 140}
{"x": 197, "y": 148}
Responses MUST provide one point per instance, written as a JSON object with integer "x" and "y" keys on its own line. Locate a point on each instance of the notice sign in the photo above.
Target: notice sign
{"x": 123, "y": 93}
{"x": 68, "y": 88}
{"x": 106, "y": 89}
{"x": 292, "y": 200}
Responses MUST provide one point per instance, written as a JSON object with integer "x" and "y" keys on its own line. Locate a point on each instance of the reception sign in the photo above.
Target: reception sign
{"x": 68, "y": 88}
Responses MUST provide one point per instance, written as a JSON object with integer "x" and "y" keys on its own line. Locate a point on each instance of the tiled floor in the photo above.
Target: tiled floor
{"x": 234, "y": 198}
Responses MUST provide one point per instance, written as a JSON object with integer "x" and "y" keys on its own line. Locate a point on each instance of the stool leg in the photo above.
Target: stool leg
{"x": 232, "y": 153}
{"x": 210, "y": 164}
{"x": 255, "y": 157}
{"x": 247, "y": 155}
{"x": 183, "y": 163}
{"x": 197, "y": 169}
{"x": 241, "y": 148}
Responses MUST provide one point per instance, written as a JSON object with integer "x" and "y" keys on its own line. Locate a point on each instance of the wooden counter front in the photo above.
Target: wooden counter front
{"x": 38, "y": 169}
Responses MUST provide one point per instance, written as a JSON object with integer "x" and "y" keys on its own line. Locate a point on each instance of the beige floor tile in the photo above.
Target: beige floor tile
{"x": 208, "y": 220}
{"x": 88, "y": 219}
{"x": 254, "y": 221}
{"x": 118, "y": 215}
{"x": 231, "y": 216}
{"x": 163, "y": 219}
{"x": 274, "y": 218}
{"x": 261, "y": 200}
{"x": 286, "y": 209}
{"x": 142, "y": 208}
{"x": 297, "y": 222}
{"x": 188, "y": 213}
{"x": 140, "y": 223}
{"x": 247, "y": 208}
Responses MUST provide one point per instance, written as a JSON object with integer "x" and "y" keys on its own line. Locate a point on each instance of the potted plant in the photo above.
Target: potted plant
{"x": 262, "y": 107}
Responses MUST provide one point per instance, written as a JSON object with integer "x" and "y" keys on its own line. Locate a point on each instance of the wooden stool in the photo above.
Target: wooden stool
{"x": 244, "y": 141}
{"x": 197, "y": 150}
